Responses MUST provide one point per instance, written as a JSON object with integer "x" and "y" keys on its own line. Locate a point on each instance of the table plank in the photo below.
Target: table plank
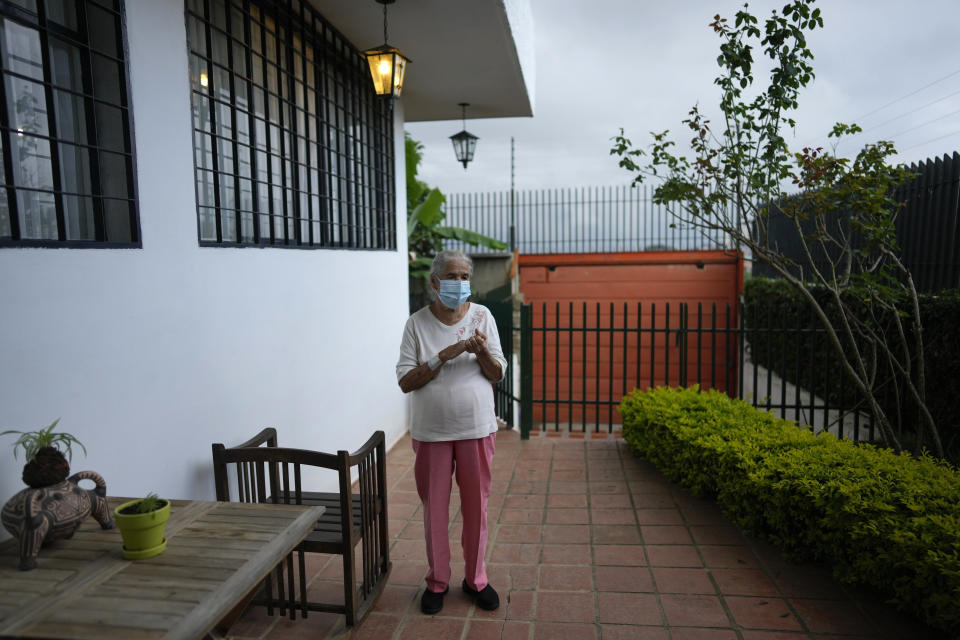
{"x": 207, "y": 548}
{"x": 216, "y": 554}
{"x": 209, "y": 540}
{"x": 250, "y": 574}
{"x": 157, "y": 570}
{"x": 85, "y": 631}
{"x": 159, "y": 590}
{"x": 142, "y": 603}
{"x": 144, "y": 620}
{"x": 227, "y": 535}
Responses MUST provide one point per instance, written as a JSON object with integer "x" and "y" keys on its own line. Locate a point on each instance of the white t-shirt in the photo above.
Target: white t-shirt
{"x": 458, "y": 403}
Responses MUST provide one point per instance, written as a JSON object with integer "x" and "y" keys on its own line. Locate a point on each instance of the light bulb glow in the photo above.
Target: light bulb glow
{"x": 203, "y": 80}
{"x": 20, "y": 133}
{"x": 387, "y": 67}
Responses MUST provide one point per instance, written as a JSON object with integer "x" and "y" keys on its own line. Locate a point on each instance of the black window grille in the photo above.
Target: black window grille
{"x": 291, "y": 145}
{"x": 67, "y": 161}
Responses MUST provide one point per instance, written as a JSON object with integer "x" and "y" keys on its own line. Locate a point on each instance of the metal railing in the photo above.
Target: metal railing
{"x": 621, "y": 218}
{"x": 576, "y": 220}
{"x": 504, "y": 397}
{"x": 579, "y": 360}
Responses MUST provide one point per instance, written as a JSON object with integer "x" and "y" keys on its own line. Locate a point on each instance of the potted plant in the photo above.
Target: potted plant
{"x": 53, "y": 506}
{"x": 142, "y": 524}
{"x": 46, "y": 463}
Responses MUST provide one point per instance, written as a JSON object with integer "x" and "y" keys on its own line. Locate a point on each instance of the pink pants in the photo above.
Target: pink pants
{"x": 434, "y": 466}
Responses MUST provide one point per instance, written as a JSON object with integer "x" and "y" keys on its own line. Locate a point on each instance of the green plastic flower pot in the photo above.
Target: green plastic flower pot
{"x": 143, "y": 533}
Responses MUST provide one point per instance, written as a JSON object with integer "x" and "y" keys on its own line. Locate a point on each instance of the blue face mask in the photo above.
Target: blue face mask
{"x": 454, "y": 293}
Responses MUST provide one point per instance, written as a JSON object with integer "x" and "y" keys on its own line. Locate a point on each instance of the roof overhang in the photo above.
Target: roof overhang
{"x": 474, "y": 51}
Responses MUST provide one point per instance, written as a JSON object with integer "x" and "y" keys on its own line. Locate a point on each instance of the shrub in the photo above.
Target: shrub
{"x": 891, "y": 521}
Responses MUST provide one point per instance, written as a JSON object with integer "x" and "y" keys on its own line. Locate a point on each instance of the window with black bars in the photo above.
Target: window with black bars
{"x": 292, "y": 147}
{"x": 66, "y": 155}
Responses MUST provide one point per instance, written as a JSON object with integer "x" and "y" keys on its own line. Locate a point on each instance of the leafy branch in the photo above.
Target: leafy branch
{"x": 842, "y": 217}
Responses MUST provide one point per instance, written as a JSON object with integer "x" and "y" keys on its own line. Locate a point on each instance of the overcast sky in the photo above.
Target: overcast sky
{"x": 641, "y": 65}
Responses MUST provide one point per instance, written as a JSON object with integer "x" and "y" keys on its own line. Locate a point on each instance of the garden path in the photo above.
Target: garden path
{"x": 590, "y": 542}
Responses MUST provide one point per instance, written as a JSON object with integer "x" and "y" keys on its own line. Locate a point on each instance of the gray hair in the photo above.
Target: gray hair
{"x": 440, "y": 263}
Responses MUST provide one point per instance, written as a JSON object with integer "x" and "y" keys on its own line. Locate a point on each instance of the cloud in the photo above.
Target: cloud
{"x": 606, "y": 64}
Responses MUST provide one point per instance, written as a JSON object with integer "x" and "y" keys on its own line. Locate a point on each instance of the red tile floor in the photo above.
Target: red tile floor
{"x": 590, "y": 542}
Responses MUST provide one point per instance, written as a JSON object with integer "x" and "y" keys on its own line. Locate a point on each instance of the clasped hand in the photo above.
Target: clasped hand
{"x": 476, "y": 345}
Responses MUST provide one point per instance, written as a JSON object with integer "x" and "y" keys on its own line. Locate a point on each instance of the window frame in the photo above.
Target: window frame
{"x": 92, "y": 143}
{"x": 324, "y": 185}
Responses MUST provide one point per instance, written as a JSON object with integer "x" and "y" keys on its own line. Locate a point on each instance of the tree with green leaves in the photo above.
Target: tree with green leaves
{"x": 425, "y": 229}
{"x": 734, "y": 180}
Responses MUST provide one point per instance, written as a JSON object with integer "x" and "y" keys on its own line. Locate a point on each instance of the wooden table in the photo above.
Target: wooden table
{"x": 217, "y": 552}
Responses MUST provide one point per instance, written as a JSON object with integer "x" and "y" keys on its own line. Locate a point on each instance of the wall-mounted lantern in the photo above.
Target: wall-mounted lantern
{"x": 464, "y": 143}
{"x": 387, "y": 65}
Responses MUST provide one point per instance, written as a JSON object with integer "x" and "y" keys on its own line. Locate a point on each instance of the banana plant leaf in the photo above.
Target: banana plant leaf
{"x": 427, "y": 213}
{"x": 470, "y": 237}
{"x": 420, "y": 268}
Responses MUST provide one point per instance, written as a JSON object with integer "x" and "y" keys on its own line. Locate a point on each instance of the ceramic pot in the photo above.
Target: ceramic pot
{"x": 36, "y": 516}
{"x": 143, "y": 533}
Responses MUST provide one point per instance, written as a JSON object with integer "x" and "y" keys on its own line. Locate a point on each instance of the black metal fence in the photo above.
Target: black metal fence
{"x": 580, "y": 360}
{"x": 576, "y": 220}
{"x": 928, "y": 227}
{"x": 577, "y": 361}
{"x": 504, "y": 396}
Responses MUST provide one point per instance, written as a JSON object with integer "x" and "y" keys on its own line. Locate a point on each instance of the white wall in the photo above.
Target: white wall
{"x": 150, "y": 355}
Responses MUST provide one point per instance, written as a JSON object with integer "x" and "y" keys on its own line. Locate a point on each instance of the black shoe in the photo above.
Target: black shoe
{"x": 486, "y": 598}
{"x": 432, "y": 602}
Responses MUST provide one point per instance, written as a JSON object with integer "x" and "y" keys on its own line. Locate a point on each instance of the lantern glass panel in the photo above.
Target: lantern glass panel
{"x": 387, "y": 68}
{"x": 464, "y": 144}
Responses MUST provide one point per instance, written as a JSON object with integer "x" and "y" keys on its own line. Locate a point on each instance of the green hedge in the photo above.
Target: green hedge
{"x": 773, "y": 313}
{"x": 881, "y": 519}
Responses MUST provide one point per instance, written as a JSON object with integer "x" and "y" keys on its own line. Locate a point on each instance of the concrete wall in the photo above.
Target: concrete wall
{"x": 490, "y": 271}
{"x": 150, "y": 355}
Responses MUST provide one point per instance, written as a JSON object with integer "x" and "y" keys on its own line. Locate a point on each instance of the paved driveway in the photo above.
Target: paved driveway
{"x": 589, "y": 542}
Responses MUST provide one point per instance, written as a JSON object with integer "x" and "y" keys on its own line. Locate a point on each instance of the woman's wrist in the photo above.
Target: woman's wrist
{"x": 435, "y": 362}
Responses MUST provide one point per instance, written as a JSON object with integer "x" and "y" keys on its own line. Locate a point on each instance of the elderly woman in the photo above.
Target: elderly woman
{"x": 449, "y": 357}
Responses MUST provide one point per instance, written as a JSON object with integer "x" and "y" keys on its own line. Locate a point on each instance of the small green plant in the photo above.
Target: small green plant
{"x": 33, "y": 441}
{"x": 151, "y": 502}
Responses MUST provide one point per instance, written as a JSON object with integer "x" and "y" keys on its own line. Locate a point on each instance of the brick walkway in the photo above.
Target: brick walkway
{"x": 589, "y": 542}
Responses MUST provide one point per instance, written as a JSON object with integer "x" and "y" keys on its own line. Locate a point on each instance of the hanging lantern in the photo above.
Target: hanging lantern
{"x": 387, "y": 65}
{"x": 464, "y": 143}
